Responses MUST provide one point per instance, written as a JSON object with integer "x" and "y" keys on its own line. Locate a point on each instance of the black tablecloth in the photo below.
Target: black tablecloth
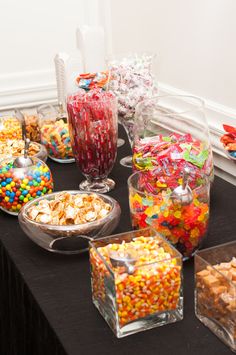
{"x": 45, "y": 298}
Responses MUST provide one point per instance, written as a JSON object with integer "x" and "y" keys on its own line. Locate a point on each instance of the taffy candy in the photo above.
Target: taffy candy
{"x": 131, "y": 81}
{"x": 88, "y": 81}
{"x": 229, "y": 140}
{"x": 170, "y": 154}
{"x": 55, "y": 136}
{"x": 10, "y": 128}
{"x": 151, "y": 204}
{"x": 20, "y": 185}
{"x": 93, "y": 131}
{"x": 154, "y": 286}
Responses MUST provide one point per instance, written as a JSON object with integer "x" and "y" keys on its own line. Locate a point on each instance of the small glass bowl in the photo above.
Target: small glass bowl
{"x": 42, "y": 153}
{"x": 69, "y": 239}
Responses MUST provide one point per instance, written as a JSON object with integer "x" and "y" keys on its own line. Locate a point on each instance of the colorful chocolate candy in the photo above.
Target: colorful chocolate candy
{"x": 154, "y": 286}
{"x": 151, "y": 204}
{"x": 55, "y": 137}
{"x": 20, "y": 185}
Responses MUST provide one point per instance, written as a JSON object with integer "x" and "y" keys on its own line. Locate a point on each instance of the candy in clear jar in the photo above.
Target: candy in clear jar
{"x": 154, "y": 202}
{"x": 55, "y": 134}
{"x": 20, "y": 185}
{"x": 171, "y": 133}
{"x": 136, "y": 281}
{"x": 93, "y": 130}
{"x": 10, "y": 127}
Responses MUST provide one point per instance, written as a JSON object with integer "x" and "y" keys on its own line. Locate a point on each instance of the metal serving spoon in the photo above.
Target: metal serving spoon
{"x": 127, "y": 261}
{"x": 183, "y": 193}
{"x": 24, "y": 161}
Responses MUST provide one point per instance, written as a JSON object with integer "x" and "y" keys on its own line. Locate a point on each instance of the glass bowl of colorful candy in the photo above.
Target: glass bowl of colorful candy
{"x": 229, "y": 141}
{"x": 171, "y": 134}
{"x": 10, "y": 127}
{"x": 15, "y": 148}
{"x": 20, "y": 185}
{"x": 55, "y": 134}
{"x": 136, "y": 281}
{"x": 63, "y": 222}
{"x": 184, "y": 221}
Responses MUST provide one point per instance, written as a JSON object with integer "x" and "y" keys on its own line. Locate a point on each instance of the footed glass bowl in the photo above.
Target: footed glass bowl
{"x": 73, "y": 238}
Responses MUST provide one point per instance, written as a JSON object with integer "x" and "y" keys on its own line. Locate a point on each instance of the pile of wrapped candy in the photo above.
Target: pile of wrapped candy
{"x": 68, "y": 209}
{"x": 154, "y": 285}
{"x": 171, "y": 154}
{"x": 131, "y": 81}
{"x": 90, "y": 81}
{"x": 229, "y": 140}
{"x": 93, "y": 130}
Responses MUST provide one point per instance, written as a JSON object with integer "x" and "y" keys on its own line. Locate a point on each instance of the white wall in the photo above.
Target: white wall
{"x": 31, "y": 33}
{"x": 195, "y": 39}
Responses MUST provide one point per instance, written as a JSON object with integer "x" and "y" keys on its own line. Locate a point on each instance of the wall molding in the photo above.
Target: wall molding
{"x": 27, "y": 89}
{"x": 217, "y": 114}
{"x": 40, "y": 87}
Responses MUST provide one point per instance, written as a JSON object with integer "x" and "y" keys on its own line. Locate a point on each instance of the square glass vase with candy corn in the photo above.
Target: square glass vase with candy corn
{"x": 136, "y": 281}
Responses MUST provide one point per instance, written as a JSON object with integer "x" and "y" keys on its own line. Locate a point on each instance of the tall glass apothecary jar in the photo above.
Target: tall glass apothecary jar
{"x": 171, "y": 134}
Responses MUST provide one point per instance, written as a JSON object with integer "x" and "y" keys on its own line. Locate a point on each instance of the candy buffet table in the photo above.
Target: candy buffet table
{"x": 45, "y": 299}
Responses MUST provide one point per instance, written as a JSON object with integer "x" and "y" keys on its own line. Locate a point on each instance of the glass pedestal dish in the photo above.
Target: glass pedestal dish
{"x": 136, "y": 281}
{"x": 93, "y": 129}
{"x": 132, "y": 81}
{"x": 215, "y": 291}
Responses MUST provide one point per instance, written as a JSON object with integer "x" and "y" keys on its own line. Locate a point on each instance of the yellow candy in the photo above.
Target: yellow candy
{"x": 177, "y": 214}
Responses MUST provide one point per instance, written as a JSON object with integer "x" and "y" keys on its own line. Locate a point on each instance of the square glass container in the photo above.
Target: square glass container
{"x": 215, "y": 291}
{"x": 136, "y": 281}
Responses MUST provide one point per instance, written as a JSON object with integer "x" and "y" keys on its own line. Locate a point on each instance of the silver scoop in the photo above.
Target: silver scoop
{"x": 24, "y": 161}
{"x": 127, "y": 261}
{"x": 183, "y": 193}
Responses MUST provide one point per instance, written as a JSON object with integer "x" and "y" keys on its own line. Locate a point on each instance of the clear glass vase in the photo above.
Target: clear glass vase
{"x": 93, "y": 130}
{"x": 55, "y": 134}
{"x": 141, "y": 293}
{"x": 171, "y": 134}
{"x": 132, "y": 81}
{"x": 153, "y": 202}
